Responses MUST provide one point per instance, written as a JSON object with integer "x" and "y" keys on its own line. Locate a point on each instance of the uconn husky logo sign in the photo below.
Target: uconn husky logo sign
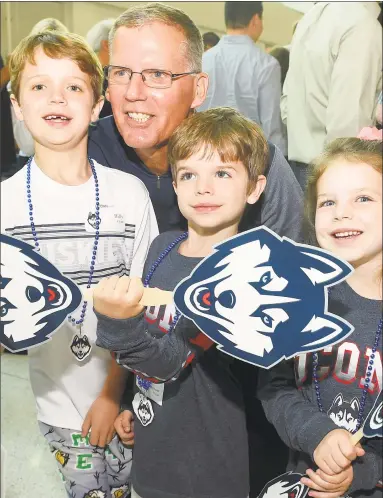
{"x": 35, "y": 296}
{"x": 287, "y": 485}
{"x": 263, "y": 298}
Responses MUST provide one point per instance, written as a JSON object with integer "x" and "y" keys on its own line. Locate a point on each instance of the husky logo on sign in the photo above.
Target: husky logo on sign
{"x": 263, "y": 298}
{"x": 287, "y": 485}
{"x": 373, "y": 426}
{"x": 35, "y": 297}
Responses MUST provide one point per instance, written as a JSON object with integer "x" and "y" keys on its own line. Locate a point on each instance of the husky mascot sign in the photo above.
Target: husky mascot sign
{"x": 263, "y": 298}
{"x": 287, "y": 485}
{"x": 35, "y": 297}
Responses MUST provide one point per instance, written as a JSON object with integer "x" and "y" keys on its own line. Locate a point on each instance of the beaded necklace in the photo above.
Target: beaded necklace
{"x": 154, "y": 267}
{"x": 366, "y": 385}
{"x": 80, "y": 345}
{"x": 145, "y": 384}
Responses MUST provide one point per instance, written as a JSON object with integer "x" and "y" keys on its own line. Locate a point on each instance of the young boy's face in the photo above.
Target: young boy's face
{"x": 213, "y": 194}
{"x": 56, "y": 101}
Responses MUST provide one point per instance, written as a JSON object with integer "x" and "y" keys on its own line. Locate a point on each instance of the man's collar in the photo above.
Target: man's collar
{"x": 237, "y": 39}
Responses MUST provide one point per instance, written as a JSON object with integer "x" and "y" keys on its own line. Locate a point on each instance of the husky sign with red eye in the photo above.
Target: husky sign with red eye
{"x": 263, "y": 298}
{"x": 35, "y": 298}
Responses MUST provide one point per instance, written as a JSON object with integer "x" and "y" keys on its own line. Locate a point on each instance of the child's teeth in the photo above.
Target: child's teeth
{"x": 346, "y": 234}
{"x": 57, "y": 117}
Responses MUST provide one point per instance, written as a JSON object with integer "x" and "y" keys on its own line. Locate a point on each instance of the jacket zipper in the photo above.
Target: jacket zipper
{"x": 158, "y": 182}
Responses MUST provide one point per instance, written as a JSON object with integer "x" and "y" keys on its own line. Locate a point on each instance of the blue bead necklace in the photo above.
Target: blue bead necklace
{"x": 80, "y": 346}
{"x": 145, "y": 384}
{"x": 154, "y": 267}
{"x": 366, "y": 385}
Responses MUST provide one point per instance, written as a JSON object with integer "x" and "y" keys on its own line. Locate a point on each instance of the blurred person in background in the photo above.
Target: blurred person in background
{"x": 242, "y": 75}
{"x": 210, "y": 40}
{"x": 7, "y": 142}
{"x": 98, "y": 39}
{"x": 282, "y": 55}
{"x": 334, "y": 78}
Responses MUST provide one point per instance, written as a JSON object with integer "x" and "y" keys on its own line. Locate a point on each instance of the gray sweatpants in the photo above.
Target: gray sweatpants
{"x": 89, "y": 471}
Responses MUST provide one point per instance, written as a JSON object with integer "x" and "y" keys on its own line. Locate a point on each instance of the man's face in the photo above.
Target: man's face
{"x": 146, "y": 117}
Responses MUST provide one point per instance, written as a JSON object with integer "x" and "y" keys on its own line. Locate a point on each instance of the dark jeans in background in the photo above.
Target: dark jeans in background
{"x": 300, "y": 171}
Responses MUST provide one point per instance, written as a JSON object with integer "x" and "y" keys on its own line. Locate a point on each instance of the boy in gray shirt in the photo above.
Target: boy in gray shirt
{"x": 190, "y": 429}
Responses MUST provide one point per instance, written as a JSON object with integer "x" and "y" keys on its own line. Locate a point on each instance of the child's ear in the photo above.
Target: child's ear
{"x": 175, "y": 187}
{"x": 17, "y": 108}
{"x": 256, "y": 192}
{"x": 97, "y": 109}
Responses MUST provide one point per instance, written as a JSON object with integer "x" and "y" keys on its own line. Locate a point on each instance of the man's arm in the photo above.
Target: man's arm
{"x": 269, "y": 105}
{"x": 355, "y": 79}
{"x": 282, "y": 205}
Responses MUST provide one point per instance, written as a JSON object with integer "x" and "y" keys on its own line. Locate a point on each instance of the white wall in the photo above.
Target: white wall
{"x": 18, "y": 18}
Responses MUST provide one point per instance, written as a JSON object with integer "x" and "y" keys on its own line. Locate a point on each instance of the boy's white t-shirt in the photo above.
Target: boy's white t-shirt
{"x": 64, "y": 387}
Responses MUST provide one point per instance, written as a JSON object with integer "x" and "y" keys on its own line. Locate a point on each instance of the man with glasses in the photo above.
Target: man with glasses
{"x": 155, "y": 81}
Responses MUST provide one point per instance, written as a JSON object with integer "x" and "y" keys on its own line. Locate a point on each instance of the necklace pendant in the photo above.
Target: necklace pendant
{"x": 80, "y": 346}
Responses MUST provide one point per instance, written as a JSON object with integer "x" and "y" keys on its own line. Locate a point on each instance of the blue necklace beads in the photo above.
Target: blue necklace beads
{"x": 366, "y": 385}
{"x": 145, "y": 384}
{"x": 80, "y": 345}
{"x": 154, "y": 267}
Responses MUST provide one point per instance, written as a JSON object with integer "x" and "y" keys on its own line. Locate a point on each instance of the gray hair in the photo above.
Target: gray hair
{"x": 98, "y": 33}
{"x": 139, "y": 15}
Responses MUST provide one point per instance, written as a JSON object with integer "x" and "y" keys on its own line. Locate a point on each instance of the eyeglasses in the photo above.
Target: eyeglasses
{"x": 154, "y": 78}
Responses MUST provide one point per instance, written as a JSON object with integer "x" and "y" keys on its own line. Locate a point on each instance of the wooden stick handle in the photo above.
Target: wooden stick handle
{"x": 355, "y": 438}
{"x": 151, "y": 297}
{"x": 156, "y": 297}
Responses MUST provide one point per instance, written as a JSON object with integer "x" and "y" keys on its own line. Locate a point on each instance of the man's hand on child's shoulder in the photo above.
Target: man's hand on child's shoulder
{"x": 124, "y": 425}
{"x": 323, "y": 485}
{"x": 118, "y": 297}
{"x": 335, "y": 452}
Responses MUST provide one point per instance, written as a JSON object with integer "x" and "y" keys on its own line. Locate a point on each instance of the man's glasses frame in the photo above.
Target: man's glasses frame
{"x": 145, "y": 74}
